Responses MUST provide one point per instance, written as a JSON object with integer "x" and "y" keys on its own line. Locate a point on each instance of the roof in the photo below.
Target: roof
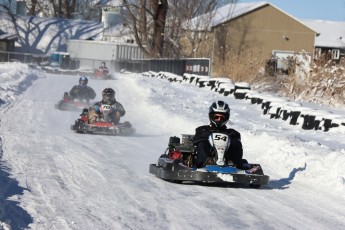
{"x": 7, "y": 31}
{"x": 4, "y": 36}
{"x": 43, "y": 35}
{"x": 118, "y": 33}
{"x": 330, "y": 33}
{"x": 228, "y": 12}
{"x": 234, "y": 10}
{"x": 104, "y": 3}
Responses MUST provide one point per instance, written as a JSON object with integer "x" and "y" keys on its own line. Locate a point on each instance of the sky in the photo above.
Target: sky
{"x": 333, "y": 10}
{"x": 52, "y": 178}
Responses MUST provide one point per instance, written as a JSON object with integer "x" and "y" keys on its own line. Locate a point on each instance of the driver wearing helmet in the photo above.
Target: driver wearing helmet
{"x": 103, "y": 68}
{"x": 108, "y": 98}
{"x": 219, "y": 114}
{"x": 82, "y": 91}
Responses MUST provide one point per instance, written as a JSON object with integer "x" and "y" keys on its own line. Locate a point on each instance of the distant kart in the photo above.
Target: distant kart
{"x": 101, "y": 74}
{"x": 175, "y": 165}
{"x": 102, "y": 125}
{"x": 69, "y": 104}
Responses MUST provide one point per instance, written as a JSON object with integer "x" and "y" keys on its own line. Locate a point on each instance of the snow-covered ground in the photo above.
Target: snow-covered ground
{"x": 53, "y": 178}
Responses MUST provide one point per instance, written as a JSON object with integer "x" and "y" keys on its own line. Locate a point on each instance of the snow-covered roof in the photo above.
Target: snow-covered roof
{"x": 6, "y": 36}
{"x": 118, "y": 33}
{"x": 230, "y": 11}
{"x": 330, "y": 33}
{"x": 222, "y": 14}
{"x": 107, "y": 3}
{"x": 7, "y": 31}
{"x": 43, "y": 35}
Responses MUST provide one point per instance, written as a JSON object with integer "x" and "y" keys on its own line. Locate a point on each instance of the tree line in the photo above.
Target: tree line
{"x": 159, "y": 27}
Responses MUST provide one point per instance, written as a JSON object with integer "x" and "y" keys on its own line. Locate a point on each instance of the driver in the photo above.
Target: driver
{"x": 116, "y": 110}
{"x": 82, "y": 91}
{"x": 219, "y": 114}
{"x": 103, "y": 68}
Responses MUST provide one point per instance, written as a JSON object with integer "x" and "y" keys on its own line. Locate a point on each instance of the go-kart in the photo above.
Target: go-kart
{"x": 71, "y": 104}
{"x": 102, "y": 124}
{"x": 102, "y": 74}
{"x": 177, "y": 165}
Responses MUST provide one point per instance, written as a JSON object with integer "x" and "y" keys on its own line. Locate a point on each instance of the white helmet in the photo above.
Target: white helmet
{"x": 219, "y": 113}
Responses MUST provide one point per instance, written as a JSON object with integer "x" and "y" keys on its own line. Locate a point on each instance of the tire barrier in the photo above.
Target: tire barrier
{"x": 275, "y": 107}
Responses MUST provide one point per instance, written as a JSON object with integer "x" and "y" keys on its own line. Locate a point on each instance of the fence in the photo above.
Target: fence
{"x": 44, "y": 60}
{"x": 200, "y": 66}
{"x": 22, "y": 57}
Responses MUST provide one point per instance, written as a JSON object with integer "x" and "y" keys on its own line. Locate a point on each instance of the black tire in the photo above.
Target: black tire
{"x": 255, "y": 185}
{"x": 174, "y": 181}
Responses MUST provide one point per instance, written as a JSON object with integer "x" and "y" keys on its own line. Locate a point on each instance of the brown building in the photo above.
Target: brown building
{"x": 246, "y": 34}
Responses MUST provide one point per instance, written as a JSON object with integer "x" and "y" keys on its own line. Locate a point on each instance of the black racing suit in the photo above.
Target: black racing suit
{"x": 104, "y": 70}
{"x": 82, "y": 93}
{"x": 204, "y": 150}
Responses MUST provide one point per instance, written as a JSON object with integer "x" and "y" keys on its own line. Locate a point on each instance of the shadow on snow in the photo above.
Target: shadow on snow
{"x": 10, "y": 211}
{"x": 284, "y": 183}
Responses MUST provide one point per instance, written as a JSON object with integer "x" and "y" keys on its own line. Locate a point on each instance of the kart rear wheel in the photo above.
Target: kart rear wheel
{"x": 175, "y": 181}
{"x": 255, "y": 185}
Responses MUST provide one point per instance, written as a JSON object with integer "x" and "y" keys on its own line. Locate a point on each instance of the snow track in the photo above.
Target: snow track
{"x": 77, "y": 181}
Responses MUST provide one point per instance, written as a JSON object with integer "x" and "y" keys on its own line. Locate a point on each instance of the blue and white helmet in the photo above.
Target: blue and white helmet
{"x": 83, "y": 81}
{"x": 219, "y": 113}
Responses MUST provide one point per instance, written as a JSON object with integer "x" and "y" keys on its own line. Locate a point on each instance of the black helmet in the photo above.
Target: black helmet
{"x": 83, "y": 81}
{"x": 103, "y": 63}
{"x": 219, "y": 113}
{"x": 108, "y": 95}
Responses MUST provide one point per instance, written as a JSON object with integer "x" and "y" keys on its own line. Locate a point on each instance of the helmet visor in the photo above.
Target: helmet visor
{"x": 82, "y": 82}
{"x": 106, "y": 97}
{"x": 218, "y": 117}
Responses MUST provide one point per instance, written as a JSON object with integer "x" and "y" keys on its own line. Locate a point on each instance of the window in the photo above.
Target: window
{"x": 335, "y": 54}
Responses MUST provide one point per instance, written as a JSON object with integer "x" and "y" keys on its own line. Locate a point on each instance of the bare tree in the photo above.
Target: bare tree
{"x": 181, "y": 25}
{"x": 87, "y": 10}
{"x": 56, "y": 8}
{"x": 222, "y": 33}
{"x": 158, "y": 26}
{"x": 147, "y": 20}
{"x": 33, "y": 7}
